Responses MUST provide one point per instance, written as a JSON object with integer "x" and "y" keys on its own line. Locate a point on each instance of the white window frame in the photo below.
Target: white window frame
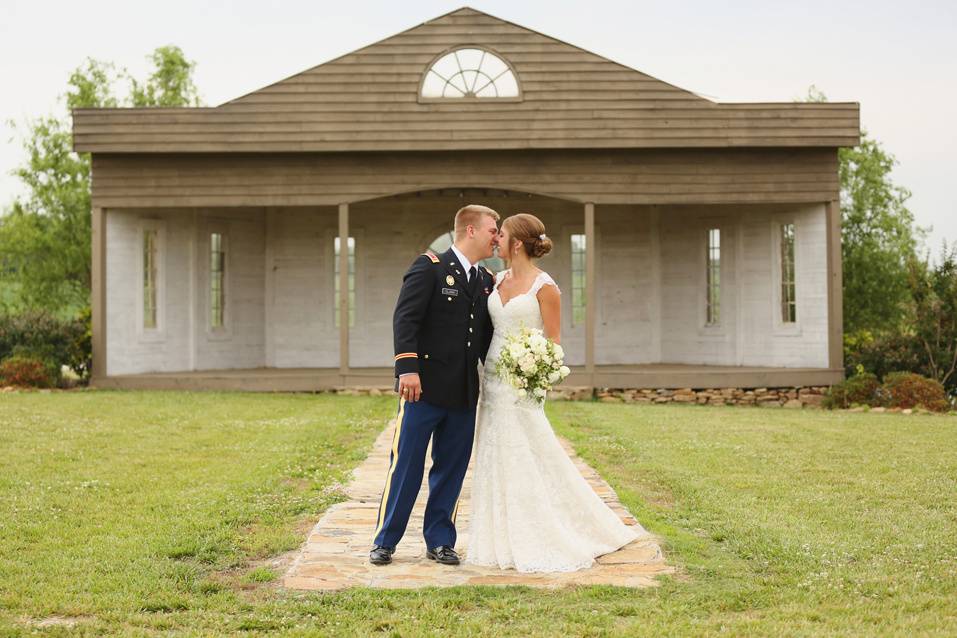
{"x": 159, "y": 332}
{"x": 726, "y": 226}
{"x": 464, "y": 99}
{"x": 577, "y": 331}
{"x": 780, "y": 327}
{"x": 358, "y": 234}
{"x": 224, "y": 332}
{"x": 571, "y": 279}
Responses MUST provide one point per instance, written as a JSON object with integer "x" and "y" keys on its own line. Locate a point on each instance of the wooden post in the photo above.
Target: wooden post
{"x": 343, "y": 292}
{"x": 835, "y": 287}
{"x": 98, "y": 293}
{"x": 590, "y": 292}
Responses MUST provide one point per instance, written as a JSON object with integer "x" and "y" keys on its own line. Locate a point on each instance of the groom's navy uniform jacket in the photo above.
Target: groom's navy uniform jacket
{"x": 441, "y": 329}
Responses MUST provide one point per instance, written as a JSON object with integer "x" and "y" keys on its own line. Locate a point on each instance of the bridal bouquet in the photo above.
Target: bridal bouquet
{"x": 531, "y": 363}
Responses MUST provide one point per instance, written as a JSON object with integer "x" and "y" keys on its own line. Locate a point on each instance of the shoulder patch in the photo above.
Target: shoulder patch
{"x": 431, "y": 255}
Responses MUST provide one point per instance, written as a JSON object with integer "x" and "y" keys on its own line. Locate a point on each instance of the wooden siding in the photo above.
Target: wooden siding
{"x": 368, "y": 100}
{"x": 611, "y": 176}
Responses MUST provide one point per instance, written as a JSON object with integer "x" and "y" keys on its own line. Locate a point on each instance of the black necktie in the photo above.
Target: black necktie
{"x": 473, "y": 280}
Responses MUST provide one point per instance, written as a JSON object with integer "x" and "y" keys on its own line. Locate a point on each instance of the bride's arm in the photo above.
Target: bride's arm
{"x": 550, "y": 302}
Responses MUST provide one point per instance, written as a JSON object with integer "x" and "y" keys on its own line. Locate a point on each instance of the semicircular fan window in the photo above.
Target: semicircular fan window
{"x": 470, "y": 73}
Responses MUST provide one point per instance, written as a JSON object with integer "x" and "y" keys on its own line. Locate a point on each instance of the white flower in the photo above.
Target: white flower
{"x": 559, "y": 352}
{"x": 564, "y": 371}
{"x": 516, "y": 350}
{"x": 539, "y": 392}
{"x": 522, "y": 393}
{"x": 538, "y": 344}
{"x": 554, "y": 376}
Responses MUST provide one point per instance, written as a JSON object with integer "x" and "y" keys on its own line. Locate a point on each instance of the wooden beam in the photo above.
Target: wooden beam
{"x": 590, "y": 292}
{"x": 343, "y": 291}
{"x": 98, "y": 292}
{"x": 835, "y": 287}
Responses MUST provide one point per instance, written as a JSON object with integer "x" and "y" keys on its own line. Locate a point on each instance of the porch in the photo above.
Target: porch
{"x": 651, "y": 375}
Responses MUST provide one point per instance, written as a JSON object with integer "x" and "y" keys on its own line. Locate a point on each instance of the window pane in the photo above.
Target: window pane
{"x": 351, "y": 260}
{"x": 788, "y": 293}
{"x": 470, "y": 73}
{"x": 713, "y": 277}
{"x": 578, "y": 279}
{"x": 217, "y": 281}
{"x": 149, "y": 278}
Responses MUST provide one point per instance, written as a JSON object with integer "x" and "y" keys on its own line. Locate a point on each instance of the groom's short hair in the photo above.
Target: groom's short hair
{"x": 469, "y": 216}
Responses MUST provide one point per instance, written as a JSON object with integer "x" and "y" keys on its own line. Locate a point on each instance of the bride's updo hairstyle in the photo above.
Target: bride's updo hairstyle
{"x": 529, "y": 230}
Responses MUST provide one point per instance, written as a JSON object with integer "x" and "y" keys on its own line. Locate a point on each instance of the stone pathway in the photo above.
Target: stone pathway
{"x": 335, "y": 555}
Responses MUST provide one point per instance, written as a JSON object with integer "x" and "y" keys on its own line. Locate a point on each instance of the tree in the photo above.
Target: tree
{"x": 45, "y": 236}
{"x": 933, "y": 291}
{"x": 171, "y": 83}
{"x": 879, "y": 237}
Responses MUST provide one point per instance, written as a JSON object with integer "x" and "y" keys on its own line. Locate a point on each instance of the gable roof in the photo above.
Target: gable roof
{"x": 369, "y": 100}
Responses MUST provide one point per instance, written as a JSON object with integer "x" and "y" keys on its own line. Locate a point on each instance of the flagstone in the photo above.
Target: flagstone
{"x": 336, "y": 551}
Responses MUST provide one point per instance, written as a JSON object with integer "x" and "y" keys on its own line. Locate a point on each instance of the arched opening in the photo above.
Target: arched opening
{"x": 444, "y": 241}
{"x": 391, "y": 231}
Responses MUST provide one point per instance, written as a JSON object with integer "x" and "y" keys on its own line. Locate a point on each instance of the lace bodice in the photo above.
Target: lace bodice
{"x": 521, "y": 310}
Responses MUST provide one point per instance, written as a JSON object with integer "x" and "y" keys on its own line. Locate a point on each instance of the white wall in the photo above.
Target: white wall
{"x": 650, "y": 271}
{"x": 300, "y": 331}
{"x": 182, "y": 340}
{"x": 750, "y": 332}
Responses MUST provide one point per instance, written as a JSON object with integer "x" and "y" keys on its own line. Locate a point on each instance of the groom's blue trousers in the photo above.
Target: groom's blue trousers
{"x": 451, "y": 431}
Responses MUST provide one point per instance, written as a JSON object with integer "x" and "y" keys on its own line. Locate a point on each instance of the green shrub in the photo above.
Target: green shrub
{"x": 910, "y": 390}
{"x": 883, "y": 352}
{"x": 29, "y": 371}
{"x": 62, "y": 342}
{"x": 862, "y": 388}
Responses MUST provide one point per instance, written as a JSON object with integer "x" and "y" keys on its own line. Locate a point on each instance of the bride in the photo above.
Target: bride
{"x": 531, "y": 508}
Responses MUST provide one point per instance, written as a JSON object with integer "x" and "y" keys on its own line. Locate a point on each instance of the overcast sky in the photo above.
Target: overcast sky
{"x": 899, "y": 60}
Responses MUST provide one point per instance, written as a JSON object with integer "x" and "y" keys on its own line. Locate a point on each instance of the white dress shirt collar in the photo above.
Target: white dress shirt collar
{"x": 466, "y": 264}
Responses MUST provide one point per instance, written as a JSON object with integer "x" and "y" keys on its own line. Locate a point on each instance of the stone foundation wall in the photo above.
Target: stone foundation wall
{"x": 801, "y": 397}
{"x": 810, "y": 397}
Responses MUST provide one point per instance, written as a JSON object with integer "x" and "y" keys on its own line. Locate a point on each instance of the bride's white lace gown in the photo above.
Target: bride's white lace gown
{"x": 531, "y": 508}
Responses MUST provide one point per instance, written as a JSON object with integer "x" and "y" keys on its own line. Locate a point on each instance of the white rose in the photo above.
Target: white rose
{"x": 516, "y": 350}
{"x": 564, "y": 371}
{"x": 559, "y": 352}
{"x": 539, "y": 392}
{"x": 538, "y": 344}
{"x": 554, "y": 376}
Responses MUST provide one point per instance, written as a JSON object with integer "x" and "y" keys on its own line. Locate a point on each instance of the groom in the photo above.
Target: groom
{"x": 441, "y": 328}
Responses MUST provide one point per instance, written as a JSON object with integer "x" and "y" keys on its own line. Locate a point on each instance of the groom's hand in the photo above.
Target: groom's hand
{"x": 410, "y": 387}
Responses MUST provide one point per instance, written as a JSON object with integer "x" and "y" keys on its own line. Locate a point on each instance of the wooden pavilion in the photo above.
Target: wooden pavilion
{"x": 260, "y": 244}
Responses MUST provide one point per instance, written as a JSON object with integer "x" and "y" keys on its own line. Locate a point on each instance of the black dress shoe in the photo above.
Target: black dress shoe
{"x": 443, "y": 554}
{"x": 381, "y": 555}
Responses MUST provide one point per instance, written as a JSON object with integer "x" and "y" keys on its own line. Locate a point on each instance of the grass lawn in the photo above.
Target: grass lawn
{"x": 142, "y": 513}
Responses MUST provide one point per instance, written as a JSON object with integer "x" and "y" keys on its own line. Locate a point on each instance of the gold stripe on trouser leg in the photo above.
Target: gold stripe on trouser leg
{"x": 456, "y": 510}
{"x": 395, "y": 459}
